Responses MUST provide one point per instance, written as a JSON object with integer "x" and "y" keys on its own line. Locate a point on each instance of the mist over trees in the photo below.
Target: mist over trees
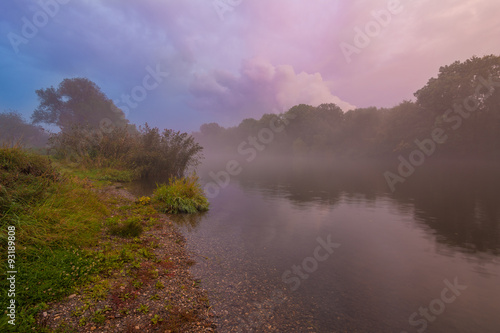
{"x": 463, "y": 102}
{"x": 15, "y": 130}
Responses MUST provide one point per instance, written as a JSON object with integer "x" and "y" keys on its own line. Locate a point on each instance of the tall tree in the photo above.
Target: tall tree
{"x": 77, "y": 101}
{"x": 460, "y": 80}
{"x": 467, "y": 94}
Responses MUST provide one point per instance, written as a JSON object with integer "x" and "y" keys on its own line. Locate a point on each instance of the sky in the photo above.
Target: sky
{"x": 181, "y": 63}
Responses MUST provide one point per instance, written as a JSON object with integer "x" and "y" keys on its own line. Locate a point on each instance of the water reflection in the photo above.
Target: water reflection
{"x": 143, "y": 187}
{"x": 397, "y": 248}
{"x": 458, "y": 202}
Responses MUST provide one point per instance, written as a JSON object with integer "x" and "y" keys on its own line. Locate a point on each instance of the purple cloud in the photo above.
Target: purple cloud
{"x": 259, "y": 88}
{"x": 264, "y": 55}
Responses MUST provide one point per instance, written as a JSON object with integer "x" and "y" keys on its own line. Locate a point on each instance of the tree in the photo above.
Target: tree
{"x": 14, "y": 129}
{"x": 401, "y": 125}
{"x": 77, "y": 101}
{"x": 466, "y": 94}
{"x": 331, "y": 113}
{"x": 211, "y": 129}
{"x": 458, "y": 81}
{"x": 181, "y": 151}
{"x": 360, "y": 130}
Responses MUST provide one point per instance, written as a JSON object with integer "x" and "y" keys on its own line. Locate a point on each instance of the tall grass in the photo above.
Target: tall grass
{"x": 55, "y": 218}
{"x": 181, "y": 195}
{"x": 23, "y": 179}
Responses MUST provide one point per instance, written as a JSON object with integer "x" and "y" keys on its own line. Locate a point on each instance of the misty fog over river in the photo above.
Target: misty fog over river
{"x": 327, "y": 247}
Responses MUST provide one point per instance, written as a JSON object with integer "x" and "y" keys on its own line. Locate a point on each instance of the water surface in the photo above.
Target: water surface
{"x": 395, "y": 253}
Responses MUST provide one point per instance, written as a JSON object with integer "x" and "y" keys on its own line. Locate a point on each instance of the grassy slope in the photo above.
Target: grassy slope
{"x": 58, "y": 219}
{"x": 66, "y": 232}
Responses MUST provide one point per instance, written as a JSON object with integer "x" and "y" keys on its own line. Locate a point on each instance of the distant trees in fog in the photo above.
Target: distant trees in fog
{"x": 464, "y": 101}
{"x": 15, "y": 130}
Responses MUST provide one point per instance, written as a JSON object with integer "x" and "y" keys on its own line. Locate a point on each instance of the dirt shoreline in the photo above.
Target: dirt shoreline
{"x": 152, "y": 291}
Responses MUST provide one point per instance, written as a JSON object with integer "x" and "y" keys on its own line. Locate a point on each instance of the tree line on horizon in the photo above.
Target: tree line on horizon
{"x": 463, "y": 101}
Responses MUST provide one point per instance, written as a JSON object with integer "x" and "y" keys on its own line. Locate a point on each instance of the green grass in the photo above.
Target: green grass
{"x": 56, "y": 217}
{"x": 101, "y": 176}
{"x": 59, "y": 219}
{"x": 181, "y": 195}
{"x": 23, "y": 179}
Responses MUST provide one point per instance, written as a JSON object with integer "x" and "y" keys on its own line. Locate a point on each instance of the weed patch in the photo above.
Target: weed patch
{"x": 181, "y": 195}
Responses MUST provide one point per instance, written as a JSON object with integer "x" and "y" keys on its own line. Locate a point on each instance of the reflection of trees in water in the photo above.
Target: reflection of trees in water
{"x": 458, "y": 202}
{"x": 304, "y": 182}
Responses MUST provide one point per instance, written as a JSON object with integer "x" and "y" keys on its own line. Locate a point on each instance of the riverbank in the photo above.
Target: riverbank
{"x": 153, "y": 291}
{"x": 88, "y": 256}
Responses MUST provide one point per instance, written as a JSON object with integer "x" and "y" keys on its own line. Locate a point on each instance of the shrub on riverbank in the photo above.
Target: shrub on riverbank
{"x": 181, "y": 195}
{"x": 147, "y": 151}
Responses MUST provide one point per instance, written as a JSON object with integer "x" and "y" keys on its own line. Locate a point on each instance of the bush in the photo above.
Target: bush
{"x": 147, "y": 151}
{"x": 181, "y": 195}
{"x": 25, "y": 163}
{"x": 163, "y": 155}
{"x": 92, "y": 147}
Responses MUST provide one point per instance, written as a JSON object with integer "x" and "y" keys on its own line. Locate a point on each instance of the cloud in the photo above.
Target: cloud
{"x": 260, "y": 87}
{"x": 264, "y": 55}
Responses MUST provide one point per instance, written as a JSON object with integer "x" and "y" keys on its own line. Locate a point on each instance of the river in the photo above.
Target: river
{"x": 294, "y": 246}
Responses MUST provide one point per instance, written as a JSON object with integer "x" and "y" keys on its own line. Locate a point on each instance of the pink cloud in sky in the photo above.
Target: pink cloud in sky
{"x": 259, "y": 88}
{"x": 263, "y": 56}
{"x": 409, "y": 50}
